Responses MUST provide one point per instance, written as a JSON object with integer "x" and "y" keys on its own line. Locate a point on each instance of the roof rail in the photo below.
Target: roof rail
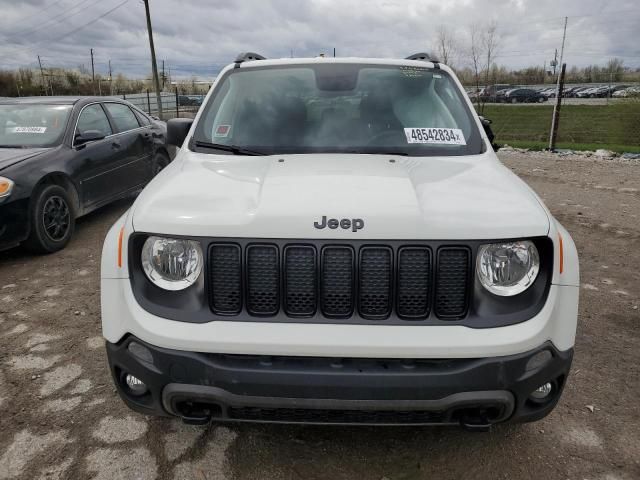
{"x": 425, "y": 57}
{"x": 248, "y": 57}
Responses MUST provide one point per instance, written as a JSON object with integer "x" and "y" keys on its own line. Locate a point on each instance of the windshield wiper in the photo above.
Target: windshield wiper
{"x": 227, "y": 148}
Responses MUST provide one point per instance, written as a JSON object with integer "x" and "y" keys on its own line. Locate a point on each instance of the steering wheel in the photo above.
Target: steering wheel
{"x": 377, "y": 139}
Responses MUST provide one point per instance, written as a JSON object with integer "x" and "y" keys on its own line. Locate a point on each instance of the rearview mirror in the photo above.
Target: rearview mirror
{"x": 177, "y": 130}
{"x": 88, "y": 136}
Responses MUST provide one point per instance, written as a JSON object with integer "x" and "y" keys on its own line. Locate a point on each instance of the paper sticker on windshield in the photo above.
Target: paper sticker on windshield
{"x": 29, "y": 129}
{"x": 223, "y": 130}
{"x": 443, "y": 136}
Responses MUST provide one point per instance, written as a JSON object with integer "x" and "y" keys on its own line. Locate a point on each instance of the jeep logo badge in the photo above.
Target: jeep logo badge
{"x": 354, "y": 224}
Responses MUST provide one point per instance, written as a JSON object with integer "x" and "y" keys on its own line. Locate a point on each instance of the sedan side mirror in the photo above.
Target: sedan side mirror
{"x": 88, "y": 136}
{"x": 177, "y": 130}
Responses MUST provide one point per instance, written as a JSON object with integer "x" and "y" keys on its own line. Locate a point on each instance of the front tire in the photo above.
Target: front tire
{"x": 52, "y": 218}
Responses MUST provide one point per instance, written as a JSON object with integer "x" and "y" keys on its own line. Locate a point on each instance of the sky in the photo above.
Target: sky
{"x": 199, "y": 37}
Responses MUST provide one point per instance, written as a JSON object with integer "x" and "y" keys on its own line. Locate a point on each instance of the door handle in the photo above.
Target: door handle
{"x": 115, "y": 145}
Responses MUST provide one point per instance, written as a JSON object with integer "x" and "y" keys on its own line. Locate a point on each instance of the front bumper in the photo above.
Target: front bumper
{"x": 14, "y": 222}
{"x": 473, "y": 392}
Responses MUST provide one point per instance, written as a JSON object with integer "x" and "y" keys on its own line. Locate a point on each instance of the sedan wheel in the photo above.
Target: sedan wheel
{"x": 56, "y": 218}
{"x": 52, "y": 219}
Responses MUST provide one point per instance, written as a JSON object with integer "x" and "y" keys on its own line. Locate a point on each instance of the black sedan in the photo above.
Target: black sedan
{"x": 523, "y": 95}
{"x": 62, "y": 157}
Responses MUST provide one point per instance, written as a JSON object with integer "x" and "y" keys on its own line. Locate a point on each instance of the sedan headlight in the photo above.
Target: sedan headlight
{"x": 6, "y": 185}
{"x": 172, "y": 264}
{"x": 509, "y": 268}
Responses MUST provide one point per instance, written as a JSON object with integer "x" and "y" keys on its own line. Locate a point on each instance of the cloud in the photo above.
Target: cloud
{"x": 199, "y": 37}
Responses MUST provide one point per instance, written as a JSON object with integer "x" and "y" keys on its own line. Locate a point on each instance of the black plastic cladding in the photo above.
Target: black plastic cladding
{"x": 483, "y": 310}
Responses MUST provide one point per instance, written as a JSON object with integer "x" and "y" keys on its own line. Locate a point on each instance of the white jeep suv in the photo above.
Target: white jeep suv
{"x": 337, "y": 242}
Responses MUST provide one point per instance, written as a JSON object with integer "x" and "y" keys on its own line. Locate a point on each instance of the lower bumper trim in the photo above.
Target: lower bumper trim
{"x": 200, "y": 404}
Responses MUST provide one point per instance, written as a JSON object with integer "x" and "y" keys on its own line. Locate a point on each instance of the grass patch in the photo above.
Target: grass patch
{"x": 582, "y": 127}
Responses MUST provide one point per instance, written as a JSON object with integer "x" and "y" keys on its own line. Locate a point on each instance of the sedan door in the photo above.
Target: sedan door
{"x": 136, "y": 147}
{"x": 94, "y": 160}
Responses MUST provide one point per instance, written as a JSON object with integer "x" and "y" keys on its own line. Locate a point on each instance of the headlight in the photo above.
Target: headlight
{"x": 6, "y": 185}
{"x": 172, "y": 264}
{"x": 507, "y": 269}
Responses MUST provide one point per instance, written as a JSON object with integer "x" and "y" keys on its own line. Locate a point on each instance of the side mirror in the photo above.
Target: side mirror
{"x": 486, "y": 123}
{"x": 177, "y": 130}
{"x": 88, "y": 136}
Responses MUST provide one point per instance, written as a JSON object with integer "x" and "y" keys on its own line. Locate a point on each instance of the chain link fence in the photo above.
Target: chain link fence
{"x": 592, "y": 116}
{"x": 174, "y": 104}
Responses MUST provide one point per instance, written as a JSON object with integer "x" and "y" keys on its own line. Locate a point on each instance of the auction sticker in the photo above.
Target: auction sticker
{"x": 222, "y": 131}
{"x": 29, "y": 129}
{"x": 446, "y": 136}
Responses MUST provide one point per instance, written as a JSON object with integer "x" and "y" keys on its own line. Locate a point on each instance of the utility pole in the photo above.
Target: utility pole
{"x": 163, "y": 77}
{"x": 93, "y": 74}
{"x": 334, "y": 52}
{"x": 556, "y": 111}
{"x": 110, "y": 79}
{"x": 44, "y": 84}
{"x": 154, "y": 66}
{"x": 556, "y": 107}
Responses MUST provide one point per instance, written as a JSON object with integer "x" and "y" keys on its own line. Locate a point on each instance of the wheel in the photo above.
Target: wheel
{"x": 541, "y": 99}
{"x": 160, "y": 160}
{"x": 52, "y": 220}
{"x": 514, "y": 100}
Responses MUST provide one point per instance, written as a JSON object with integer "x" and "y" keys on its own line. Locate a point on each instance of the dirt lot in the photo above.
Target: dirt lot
{"x": 61, "y": 418}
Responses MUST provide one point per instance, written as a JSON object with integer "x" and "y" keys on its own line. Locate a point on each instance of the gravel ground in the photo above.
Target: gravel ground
{"x": 61, "y": 418}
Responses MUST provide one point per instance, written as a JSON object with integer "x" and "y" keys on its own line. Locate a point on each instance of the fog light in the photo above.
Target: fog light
{"x": 136, "y": 386}
{"x": 542, "y": 392}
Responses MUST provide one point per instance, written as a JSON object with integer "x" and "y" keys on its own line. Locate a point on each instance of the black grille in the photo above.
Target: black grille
{"x": 375, "y": 282}
{"x": 371, "y": 281}
{"x": 414, "y": 282}
{"x": 300, "y": 280}
{"x": 452, "y": 284}
{"x": 263, "y": 280}
{"x": 337, "y": 281}
{"x": 225, "y": 278}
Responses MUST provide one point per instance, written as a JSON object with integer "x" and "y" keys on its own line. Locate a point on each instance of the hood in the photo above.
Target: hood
{"x": 10, "y": 156}
{"x": 436, "y": 198}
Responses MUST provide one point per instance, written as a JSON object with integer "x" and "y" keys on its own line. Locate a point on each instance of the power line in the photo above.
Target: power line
{"x": 53, "y": 19}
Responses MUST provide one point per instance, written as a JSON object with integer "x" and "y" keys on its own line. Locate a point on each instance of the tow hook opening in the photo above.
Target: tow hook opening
{"x": 198, "y": 413}
{"x": 478, "y": 419}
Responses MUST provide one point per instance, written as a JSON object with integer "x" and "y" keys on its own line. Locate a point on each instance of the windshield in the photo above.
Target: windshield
{"x": 338, "y": 108}
{"x": 31, "y": 125}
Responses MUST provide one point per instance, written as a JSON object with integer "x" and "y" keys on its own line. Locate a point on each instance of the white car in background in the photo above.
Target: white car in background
{"x": 337, "y": 242}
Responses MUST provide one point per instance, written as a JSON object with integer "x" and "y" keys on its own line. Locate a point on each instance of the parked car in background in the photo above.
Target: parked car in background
{"x": 523, "y": 95}
{"x": 196, "y": 100}
{"x": 493, "y": 93}
{"x": 62, "y": 157}
{"x": 627, "y": 92}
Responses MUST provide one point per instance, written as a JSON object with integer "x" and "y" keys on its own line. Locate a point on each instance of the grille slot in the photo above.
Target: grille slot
{"x": 374, "y": 298}
{"x": 414, "y": 282}
{"x": 263, "y": 280}
{"x": 225, "y": 276}
{"x": 452, "y": 283}
{"x": 300, "y": 280}
{"x": 337, "y": 282}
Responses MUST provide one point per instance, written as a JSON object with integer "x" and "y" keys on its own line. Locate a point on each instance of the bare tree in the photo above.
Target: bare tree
{"x": 490, "y": 45}
{"x": 446, "y": 45}
{"x": 475, "y": 52}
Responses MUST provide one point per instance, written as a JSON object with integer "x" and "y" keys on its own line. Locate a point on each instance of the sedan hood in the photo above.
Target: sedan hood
{"x": 438, "y": 198}
{"x": 10, "y": 156}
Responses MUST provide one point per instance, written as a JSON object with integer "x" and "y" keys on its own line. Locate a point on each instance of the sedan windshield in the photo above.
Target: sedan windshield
{"x": 31, "y": 125}
{"x": 341, "y": 108}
